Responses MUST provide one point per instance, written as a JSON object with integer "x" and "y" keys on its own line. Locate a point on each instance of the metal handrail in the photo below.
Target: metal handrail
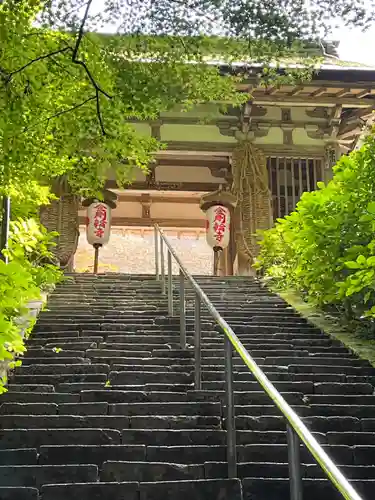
{"x": 295, "y": 426}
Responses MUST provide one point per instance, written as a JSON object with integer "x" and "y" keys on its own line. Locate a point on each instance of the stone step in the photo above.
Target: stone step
{"x": 18, "y": 493}
{"x": 140, "y": 361}
{"x": 118, "y": 421}
{"x": 302, "y": 387}
{"x": 276, "y": 489}
{"x": 348, "y": 399}
{"x": 78, "y": 408}
{"x": 34, "y": 438}
{"x": 119, "y": 396}
{"x": 205, "y": 437}
{"x": 38, "y": 475}
{"x": 135, "y": 346}
{"x": 91, "y": 454}
{"x": 144, "y": 377}
{"x": 82, "y": 344}
{"x": 358, "y": 411}
{"x": 203, "y": 489}
{"x": 364, "y": 454}
{"x": 351, "y": 438}
{"x": 282, "y": 376}
{"x": 245, "y": 397}
{"x": 116, "y": 471}
{"x": 39, "y": 340}
{"x": 319, "y": 360}
{"x": 39, "y": 397}
{"x": 59, "y": 359}
{"x": 116, "y": 396}
{"x": 31, "y": 388}
{"x": 171, "y": 409}
{"x": 20, "y": 456}
{"x": 335, "y": 368}
{"x": 46, "y": 369}
{"x": 214, "y": 470}
{"x": 278, "y": 453}
{"x": 52, "y": 353}
{"x": 59, "y": 379}
{"x": 178, "y": 437}
{"x": 314, "y": 423}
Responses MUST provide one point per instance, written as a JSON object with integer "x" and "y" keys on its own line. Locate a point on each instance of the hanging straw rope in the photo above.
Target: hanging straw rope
{"x": 250, "y": 185}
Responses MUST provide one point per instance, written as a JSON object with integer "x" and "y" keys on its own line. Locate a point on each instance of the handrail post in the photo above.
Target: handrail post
{"x": 231, "y": 417}
{"x": 162, "y": 265}
{"x": 182, "y": 311}
{"x": 295, "y": 476}
{"x": 156, "y": 240}
{"x": 197, "y": 344}
{"x": 170, "y": 285}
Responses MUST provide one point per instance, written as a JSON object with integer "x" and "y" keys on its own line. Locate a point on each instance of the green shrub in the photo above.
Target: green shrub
{"x": 325, "y": 249}
{"x": 29, "y": 272}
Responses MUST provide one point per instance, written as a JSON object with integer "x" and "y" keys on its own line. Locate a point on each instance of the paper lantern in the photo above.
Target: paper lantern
{"x": 98, "y": 223}
{"x": 218, "y": 226}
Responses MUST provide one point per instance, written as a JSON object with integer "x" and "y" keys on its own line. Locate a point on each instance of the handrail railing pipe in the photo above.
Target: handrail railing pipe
{"x": 295, "y": 427}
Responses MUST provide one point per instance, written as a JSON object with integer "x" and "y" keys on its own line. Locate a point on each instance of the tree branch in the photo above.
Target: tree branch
{"x": 45, "y": 56}
{"x": 98, "y": 112}
{"x": 75, "y": 60}
{"x": 59, "y": 113}
{"x": 72, "y": 108}
{"x": 80, "y": 32}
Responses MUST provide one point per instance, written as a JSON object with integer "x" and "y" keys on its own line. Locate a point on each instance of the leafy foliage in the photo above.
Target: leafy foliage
{"x": 65, "y": 93}
{"x": 21, "y": 281}
{"x": 326, "y": 248}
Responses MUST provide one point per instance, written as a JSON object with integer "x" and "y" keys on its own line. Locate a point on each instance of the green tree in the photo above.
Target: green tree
{"x": 66, "y": 91}
{"x": 325, "y": 249}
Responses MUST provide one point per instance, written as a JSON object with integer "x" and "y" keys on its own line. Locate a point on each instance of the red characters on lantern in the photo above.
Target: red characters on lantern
{"x": 218, "y": 222}
{"x": 98, "y": 223}
{"x": 100, "y": 220}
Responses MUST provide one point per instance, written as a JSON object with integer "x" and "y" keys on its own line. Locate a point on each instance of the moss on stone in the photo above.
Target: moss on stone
{"x": 364, "y": 348}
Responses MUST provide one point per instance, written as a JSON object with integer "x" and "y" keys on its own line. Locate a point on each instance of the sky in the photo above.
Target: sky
{"x": 356, "y": 46}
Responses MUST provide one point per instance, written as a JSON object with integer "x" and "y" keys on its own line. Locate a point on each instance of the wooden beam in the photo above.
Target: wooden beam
{"x": 317, "y": 93}
{"x": 364, "y": 93}
{"x": 139, "y": 222}
{"x": 145, "y": 200}
{"x": 219, "y": 162}
{"x": 271, "y": 90}
{"x": 353, "y": 132}
{"x": 284, "y": 100}
{"x": 133, "y": 198}
{"x": 342, "y": 93}
{"x": 204, "y": 187}
{"x": 334, "y": 121}
{"x": 201, "y": 146}
{"x": 297, "y": 90}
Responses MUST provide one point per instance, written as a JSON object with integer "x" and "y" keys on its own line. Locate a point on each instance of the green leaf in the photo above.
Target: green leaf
{"x": 352, "y": 265}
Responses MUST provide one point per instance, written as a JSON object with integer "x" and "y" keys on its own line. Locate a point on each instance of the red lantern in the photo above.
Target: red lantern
{"x": 98, "y": 225}
{"x": 218, "y": 226}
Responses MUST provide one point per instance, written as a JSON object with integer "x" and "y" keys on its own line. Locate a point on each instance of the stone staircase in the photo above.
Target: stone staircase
{"x": 104, "y": 407}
